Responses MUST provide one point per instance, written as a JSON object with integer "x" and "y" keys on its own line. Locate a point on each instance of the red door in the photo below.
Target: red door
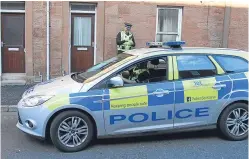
{"x": 12, "y": 44}
{"x": 82, "y": 50}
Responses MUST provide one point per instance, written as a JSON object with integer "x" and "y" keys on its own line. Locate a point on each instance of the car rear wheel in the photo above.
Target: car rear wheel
{"x": 233, "y": 122}
{"x": 71, "y": 131}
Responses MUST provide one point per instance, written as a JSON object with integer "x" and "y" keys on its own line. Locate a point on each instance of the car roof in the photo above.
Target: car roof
{"x": 189, "y": 50}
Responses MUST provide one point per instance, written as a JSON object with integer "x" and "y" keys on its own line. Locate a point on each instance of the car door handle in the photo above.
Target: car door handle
{"x": 219, "y": 86}
{"x": 98, "y": 101}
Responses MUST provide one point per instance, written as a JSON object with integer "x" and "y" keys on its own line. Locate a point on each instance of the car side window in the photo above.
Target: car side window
{"x": 192, "y": 66}
{"x": 148, "y": 71}
{"x": 232, "y": 64}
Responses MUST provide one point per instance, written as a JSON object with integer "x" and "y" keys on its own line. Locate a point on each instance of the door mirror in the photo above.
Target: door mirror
{"x": 115, "y": 82}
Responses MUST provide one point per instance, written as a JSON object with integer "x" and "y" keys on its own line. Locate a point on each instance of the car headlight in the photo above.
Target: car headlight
{"x": 35, "y": 100}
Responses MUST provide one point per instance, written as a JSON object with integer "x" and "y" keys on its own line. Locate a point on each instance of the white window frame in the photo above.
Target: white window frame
{"x": 82, "y": 11}
{"x": 179, "y": 32}
{"x": 11, "y": 11}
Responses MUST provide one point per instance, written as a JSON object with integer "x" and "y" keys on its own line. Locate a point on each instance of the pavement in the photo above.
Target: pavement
{"x": 11, "y": 95}
{"x": 189, "y": 145}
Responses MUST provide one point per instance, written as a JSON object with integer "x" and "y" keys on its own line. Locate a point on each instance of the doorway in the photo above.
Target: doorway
{"x": 13, "y": 42}
{"x": 82, "y": 41}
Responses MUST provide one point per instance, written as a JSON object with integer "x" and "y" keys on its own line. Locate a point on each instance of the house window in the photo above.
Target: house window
{"x": 12, "y": 5}
{"x": 169, "y": 21}
{"x": 82, "y": 8}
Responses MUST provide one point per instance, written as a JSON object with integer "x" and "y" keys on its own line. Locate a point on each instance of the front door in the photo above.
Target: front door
{"x": 82, "y": 50}
{"x": 144, "y": 106}
{"x": 12, "y": 44}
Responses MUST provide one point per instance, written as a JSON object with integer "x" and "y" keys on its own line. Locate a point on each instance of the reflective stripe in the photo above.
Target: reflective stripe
{"x": 137, "y": 72}
{"x": 128, "y": 44}
{"x": 139, "y": 101}
{"x": 176, "y": 72}
{"x": 219, "y": 69}
{"x": 57, "y": 101}
{"x": 170, "y": 66}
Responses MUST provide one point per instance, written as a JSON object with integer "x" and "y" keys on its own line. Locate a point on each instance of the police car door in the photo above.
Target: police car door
{"x": 201, "y": 89}
{"x": 141, "y": 107}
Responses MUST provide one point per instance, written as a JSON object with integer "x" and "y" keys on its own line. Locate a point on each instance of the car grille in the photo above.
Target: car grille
{"x": 19, "y": 119}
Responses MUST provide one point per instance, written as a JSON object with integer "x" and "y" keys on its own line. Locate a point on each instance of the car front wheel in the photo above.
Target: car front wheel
{"x": 233, "y": 122}
{"x": 71, "y": 131}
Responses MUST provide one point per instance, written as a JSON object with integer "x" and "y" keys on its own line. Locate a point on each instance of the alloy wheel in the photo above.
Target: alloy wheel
{"x": 72, "y": 131}
{"x": 237, "y": 122}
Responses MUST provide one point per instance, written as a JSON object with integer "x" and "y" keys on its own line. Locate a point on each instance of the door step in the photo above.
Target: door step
{"x": 13, "y": 82}
{"x": 13, "y": 79}
{"x": 13, "y": 76}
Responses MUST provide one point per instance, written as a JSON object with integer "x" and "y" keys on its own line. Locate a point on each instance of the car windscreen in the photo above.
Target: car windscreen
{"x": 102, "y": 66}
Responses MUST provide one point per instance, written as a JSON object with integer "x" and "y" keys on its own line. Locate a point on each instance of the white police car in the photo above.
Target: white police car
{"x": 150, "y": 90}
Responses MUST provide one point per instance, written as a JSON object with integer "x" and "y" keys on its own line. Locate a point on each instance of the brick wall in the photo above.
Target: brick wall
{"x": 141, "y": 15}
{"x": 202, "y": 25}
{"x": 56, "y": 38}
{"x": 39, "y": 37}
{"x": 29, "y": 40}
{"x": 40, "y": 41}
{"x": 238, "y": 29}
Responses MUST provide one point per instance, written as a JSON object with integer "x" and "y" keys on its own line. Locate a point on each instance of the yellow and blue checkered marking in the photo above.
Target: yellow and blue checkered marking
{"x": 199, "y": 90}
{"x": 122, "y": 98}
{"x": 166, "y": 98}
{"x": 88, "y": 99}
{"x": 143, "y": 96}
{"x": 240, "y": 81}
{"x": 240, "y": 84}
{"x": 187, "y": 91}
{"x": 116, "y": 98}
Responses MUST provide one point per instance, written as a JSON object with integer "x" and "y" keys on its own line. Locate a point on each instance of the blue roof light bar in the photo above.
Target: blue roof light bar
{"x": 154, "y": 44}
{"x": 174, "y": 44}
{"x": 169, "y": 44}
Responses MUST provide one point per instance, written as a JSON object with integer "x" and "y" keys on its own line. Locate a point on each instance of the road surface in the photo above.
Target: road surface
{"x": 191, "y": 145}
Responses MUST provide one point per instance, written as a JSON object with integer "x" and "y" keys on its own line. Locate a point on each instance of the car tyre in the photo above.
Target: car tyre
{"x": 62, "y": 122}
{"x": 234, "y": 129}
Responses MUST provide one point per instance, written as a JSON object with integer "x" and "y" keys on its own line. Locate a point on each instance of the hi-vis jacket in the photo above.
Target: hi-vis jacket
{"x": 125, "y": 41}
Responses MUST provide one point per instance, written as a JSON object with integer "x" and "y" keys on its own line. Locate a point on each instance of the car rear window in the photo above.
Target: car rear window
{"x": 232, "y": 64}
{"x": 194, "y": 66}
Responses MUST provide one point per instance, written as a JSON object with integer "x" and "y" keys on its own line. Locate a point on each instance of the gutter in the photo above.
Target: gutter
{"x": 48, "y": 53}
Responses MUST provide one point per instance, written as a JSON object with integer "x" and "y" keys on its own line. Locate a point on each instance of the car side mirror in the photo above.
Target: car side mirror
{"x": 115, "y": 82}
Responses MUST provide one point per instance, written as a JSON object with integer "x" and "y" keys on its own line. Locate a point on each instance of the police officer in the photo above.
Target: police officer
{"x": 138, "y": 74}
{"x": 125, "y": 39}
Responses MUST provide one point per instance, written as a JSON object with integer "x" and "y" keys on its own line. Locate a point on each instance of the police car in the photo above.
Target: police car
{"x": 167, "y": 88}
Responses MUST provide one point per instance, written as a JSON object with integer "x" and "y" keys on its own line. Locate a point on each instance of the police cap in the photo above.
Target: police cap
{"x": 128, "y": 24}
